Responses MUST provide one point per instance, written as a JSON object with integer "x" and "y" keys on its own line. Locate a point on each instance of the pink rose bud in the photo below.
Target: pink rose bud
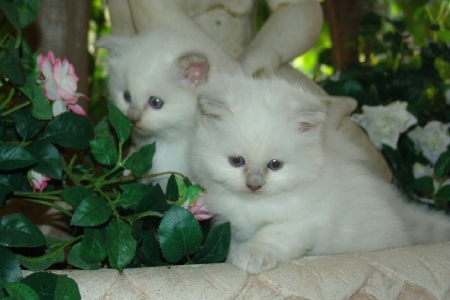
{"x": 37, "y": 180}
{"x": 198, "y": 208}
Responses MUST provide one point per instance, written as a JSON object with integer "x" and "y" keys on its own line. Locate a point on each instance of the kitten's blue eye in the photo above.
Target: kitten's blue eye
{"x": 155, "y": 102}
{"x": 275, "y": 164}
{"x": 127, "y": 97}
{"x": 236, "y": 161}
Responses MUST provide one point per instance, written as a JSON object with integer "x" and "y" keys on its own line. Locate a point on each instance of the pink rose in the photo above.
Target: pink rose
{"x": 37, "y": 180}
{"x": 60, "y": 83}
{"x": 198, "y": 208}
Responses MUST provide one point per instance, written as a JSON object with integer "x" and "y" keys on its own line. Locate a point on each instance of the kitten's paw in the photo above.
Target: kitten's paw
{"x": 252, "y": 259}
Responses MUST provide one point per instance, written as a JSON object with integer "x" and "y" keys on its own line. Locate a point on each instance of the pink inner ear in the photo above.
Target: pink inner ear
{"x": 195, "y": 73}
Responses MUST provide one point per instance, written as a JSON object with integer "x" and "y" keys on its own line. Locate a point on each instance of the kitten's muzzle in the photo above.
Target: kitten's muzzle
{"x": 255, "y": 180}
{"x": 253, "y": 188}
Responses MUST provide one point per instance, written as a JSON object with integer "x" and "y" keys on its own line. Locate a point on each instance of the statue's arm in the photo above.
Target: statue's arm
{"x": 121, "y": 20}
{"x": 135, "y": 16}
{"x": 292, "y": 28}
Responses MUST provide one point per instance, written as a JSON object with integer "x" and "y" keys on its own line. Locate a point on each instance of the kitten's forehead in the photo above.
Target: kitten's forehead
{"x": 262, "y": 116}
{"x": 247, "y": 95}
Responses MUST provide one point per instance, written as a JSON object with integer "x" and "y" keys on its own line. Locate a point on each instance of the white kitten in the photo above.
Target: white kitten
{"x": 273, "y": 170}
{"x": 153, "y": 79}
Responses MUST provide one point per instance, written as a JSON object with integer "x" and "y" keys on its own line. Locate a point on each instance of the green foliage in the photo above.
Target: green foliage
{"x": 52, "y": 286}
{"x": 178, "y": 241}
{"x": 405, "y": 56}
{"x": 115, "y": 219}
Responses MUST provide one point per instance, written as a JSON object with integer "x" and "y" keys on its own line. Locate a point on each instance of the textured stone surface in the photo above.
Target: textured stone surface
{"x": 412, "y": 273}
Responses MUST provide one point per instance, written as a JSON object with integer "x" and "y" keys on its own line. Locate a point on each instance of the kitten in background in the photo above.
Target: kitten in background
{"x": 153, "y": 78}
{"x": 273, "y": 168}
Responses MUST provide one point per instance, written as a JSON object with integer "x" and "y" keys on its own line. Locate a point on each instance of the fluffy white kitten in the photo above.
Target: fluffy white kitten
{"x": 153, "y": 79}
{"x": 263, "y": 153}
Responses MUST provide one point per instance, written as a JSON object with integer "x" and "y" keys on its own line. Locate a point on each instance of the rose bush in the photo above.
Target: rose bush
{"x": 51, "y": 155}
{"x": 402, "y": 87}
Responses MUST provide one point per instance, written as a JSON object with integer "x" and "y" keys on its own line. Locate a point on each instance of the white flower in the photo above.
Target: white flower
{"x": 385, "y": 123}
{"x": 432, "y": 139}
{"x": 420, "y": 170}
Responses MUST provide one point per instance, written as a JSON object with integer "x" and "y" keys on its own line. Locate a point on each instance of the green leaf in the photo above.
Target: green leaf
{"x": 75, "y": 259}
{"x": 43, "y": 262}
{"x": 444, "y": 193}
{"x": 120, "y": 123}
{"x": 148, "y": 250}
{"x": 147, "y": 152}
{"x": 92, "y": 211}
{"x": 12, "y": 68}
{"x": 104, "y": 151}
{"x": 4, "y": 190}
{"x": 18, "y": 181}
{"x": 9, "y": 267}
{"x": 70, "y": 130}
{"x": 11, "y": 14}
{"x": 444, "y": 35}
{"x": 42, "y": 109}
{"x": 14, "y": 157}
{"x": 27, "y": 126}
{"x": 424, "y": 185}
{"x": 172, "y": 189}
{"x": 187, "y": 182}
{"x": 28, "y": 11}
{"x": 179, "y": 234}
{"x": 393, "y": 157}
{"x": 120, "y": 244}
{"x": 21, "y": 291}
{"x": 132, "y": 194}
{"x": 75, "y": 195}
{"x": 48, "y": 158}
{"x": 134, "y": 164}
{"x": 2, "y": 291}
{"x": 103, "y": 129}
{"x": 93, "y": 246}
{"x": 216, "y": 246}
{"x": 154, "y": 200}
{"x": 50, "y": 286}
{"x": 16, "y": 230}
{"x": 442, "y": 165}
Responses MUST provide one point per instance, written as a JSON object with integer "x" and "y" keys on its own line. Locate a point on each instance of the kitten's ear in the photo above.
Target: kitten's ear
{"x": 193, "y": 69}
{"x": 114, "y": 44}
{"x": 310, "y": 119}
{"x": 212, "y": 108}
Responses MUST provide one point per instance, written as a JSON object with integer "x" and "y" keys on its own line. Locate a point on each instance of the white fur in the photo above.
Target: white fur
{"x": 147, "y": 65}
{"x": 320, "y": 202}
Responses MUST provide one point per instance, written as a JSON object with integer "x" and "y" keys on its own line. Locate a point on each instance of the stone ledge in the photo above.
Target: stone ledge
{"x": 417, "y": 272}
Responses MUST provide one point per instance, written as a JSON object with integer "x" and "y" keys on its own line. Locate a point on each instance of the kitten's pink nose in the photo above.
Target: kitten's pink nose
{"x": 253, "y": 187}
{"x": 134, "y": 121}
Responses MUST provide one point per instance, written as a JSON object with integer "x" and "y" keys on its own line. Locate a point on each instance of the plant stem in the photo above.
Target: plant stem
{"x": 110, "y": 203}
{"x": 55, "y": 206}
{"x": 189, "y": 260}
{"x": 9, "y": 98}
{"x": 16, "y": 108}
{"x": 68, "y": 169}
{"x": 43, "y": 196}
{"x": 163, "y": 173}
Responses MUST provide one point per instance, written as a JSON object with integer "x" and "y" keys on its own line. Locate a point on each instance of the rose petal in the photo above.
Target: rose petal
{"x": 59, "y": 107}
{"x": 76, "y": 109}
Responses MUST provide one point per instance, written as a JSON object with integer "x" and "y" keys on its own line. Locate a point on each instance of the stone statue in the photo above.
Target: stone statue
{"x": 292, "y": 28}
